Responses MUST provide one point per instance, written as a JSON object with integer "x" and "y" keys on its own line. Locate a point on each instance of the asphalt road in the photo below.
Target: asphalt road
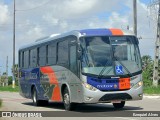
{"x": 14, "y": 102}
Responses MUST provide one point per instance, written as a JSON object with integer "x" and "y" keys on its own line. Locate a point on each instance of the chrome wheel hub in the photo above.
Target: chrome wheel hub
{"x": 66, "y": 99}
{"x": 34, "y": 97}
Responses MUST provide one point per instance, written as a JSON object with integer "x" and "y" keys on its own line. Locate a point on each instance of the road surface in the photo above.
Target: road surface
{"x": 12, "y": 101}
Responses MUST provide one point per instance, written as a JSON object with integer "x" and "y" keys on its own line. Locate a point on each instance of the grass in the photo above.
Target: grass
{"x": 151, "y": 90}
{"x": 9, "y": 88}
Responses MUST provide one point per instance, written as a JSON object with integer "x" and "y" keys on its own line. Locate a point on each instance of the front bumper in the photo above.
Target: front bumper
{"x": 100, "y": 96}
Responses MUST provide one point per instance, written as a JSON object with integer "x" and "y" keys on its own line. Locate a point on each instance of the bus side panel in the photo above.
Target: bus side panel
{"x": 50, "y": 83}
{"x": 22, "y": 83}
{"x": 68, "y": 78}
{"x": 52, "y": 79}
{"x": 28, "y": 78}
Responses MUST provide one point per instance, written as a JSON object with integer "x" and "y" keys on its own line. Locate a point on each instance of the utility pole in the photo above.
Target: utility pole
{"x": 7, "y": 71}
{"x": 155, "y": 16}
{"x": 13, "y": 78}
{"x": 135, "y": 17}
{"x": 156, "y": 59}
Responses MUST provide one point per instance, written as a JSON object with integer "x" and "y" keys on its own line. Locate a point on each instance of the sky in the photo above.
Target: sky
{"x": 40, "y": 18}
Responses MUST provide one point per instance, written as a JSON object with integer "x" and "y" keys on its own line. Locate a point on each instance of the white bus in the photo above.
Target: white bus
{"x": 82, "y": 66}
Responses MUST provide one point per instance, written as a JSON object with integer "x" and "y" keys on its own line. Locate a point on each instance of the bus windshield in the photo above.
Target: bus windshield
{"x": 110, "y": 55}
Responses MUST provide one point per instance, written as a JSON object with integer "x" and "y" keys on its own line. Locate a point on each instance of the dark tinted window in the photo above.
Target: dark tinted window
{"x": 21, "y": 61}
{"x": 42, "y": 56}
{"x": 73, "y": 59}
{"x": 29, "y": 59}
{"x": 63, "y": 52}
{"x": 33, "y": 58}
{"x": 26, "y": 59}
{"x": 52, "y": 53}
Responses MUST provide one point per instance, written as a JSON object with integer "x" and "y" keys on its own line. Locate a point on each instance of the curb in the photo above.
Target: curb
{"x": 152, "y": 96}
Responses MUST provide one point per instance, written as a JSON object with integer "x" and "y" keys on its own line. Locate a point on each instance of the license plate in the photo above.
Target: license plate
{"x": 115, "y": 101}
{"x": 124, "y": 83}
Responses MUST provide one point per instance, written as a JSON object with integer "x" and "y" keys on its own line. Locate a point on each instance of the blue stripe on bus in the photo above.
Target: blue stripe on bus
{"x": 90, "y": 32}
{"x": 104, "y": 84}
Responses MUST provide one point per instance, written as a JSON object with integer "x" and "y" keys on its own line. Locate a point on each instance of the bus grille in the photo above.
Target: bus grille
{"x": 117, "y": 96}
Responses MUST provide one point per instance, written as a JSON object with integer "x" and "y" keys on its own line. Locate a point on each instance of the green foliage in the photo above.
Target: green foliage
{"x": 147, "y": 64}
{"x": 151, "y": 90}
{"x": 10, "y": 81}
{"x": 9, "y": 88}
{"x": 15, "y": 70}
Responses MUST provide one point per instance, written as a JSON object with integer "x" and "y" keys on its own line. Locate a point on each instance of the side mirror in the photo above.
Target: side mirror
{"x": 79, "y": 54}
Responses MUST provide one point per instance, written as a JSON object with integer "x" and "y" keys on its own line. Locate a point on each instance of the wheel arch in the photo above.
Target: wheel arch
{"x": 62, "y": 90}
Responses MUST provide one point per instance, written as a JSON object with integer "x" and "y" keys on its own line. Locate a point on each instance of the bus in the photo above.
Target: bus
{"x": 82, "y": 66}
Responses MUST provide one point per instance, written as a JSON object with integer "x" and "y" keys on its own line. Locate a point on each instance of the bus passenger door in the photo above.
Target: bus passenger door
{"x": 73, "y": 60}
{"x": 74, "y": 72}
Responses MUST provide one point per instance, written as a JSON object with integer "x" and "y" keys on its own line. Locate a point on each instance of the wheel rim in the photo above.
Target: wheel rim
{"x": 34, "y": 97}
{"x": 66, "y": 99}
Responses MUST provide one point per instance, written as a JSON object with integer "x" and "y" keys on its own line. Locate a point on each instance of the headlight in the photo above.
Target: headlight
{"x": 88, "y": 86}
{"x": 140, "y": 83}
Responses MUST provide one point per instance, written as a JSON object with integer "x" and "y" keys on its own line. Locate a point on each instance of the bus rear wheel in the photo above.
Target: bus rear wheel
{"x": 66, "y": 100}
{"x": 37, "y": 102}
{"x": 34, "y": 97}
{"x": 119, "y": 105}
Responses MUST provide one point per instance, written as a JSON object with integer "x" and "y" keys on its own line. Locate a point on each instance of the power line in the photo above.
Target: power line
{"x": 19, "y": 10}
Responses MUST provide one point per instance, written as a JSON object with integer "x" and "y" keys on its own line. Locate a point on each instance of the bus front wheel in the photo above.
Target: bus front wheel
{"x": 119, "y": 105}
{"x": 66, "y": 100}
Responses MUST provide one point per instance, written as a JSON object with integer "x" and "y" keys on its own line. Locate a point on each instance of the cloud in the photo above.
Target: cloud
{"x": 4, "y": 14}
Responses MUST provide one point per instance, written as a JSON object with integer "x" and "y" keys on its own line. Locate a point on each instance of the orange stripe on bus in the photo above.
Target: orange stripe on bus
{"x": 56, "y": 95}
{"x": 116, "y": 32}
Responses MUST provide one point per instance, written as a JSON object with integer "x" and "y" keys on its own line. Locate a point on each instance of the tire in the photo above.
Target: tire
{"x": 66, "y": 100}
{"x": 36, "y": 102}
{"x": 43, "y": 102}
{"x": 119, "y": 105}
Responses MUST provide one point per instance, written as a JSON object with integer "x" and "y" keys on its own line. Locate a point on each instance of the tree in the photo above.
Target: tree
{"x": 16, "y": 70}
{"x": 9, "y": 80}
{"x": 16, "y": 73}
{"x": 146, "y": 61}
{"x": 147, "y": 65}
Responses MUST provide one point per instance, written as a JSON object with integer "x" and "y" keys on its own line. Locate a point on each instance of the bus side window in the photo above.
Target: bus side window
{"x": 33, "y": 58}
{"x": 52, "y": 54}
{"x": 26, "y": 59}
{"x": 63, "y": 53}
{"x": 41, "y": 55}
{"x": 21, "y": 59}
{"x": 73, "y": 59}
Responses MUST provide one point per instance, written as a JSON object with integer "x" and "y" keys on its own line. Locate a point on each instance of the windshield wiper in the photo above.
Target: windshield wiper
{"x": 103, "y": 69}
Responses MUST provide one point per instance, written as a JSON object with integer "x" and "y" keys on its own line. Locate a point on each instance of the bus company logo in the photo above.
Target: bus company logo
{"x": 115, "y": 86}
{"x": 30, "y": 75}
{"x": 105, "y": 86}
{"x": 45, "y": 78}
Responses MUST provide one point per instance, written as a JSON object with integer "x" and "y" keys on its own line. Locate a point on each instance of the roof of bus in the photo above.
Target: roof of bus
{"x": 84, "y": 32}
